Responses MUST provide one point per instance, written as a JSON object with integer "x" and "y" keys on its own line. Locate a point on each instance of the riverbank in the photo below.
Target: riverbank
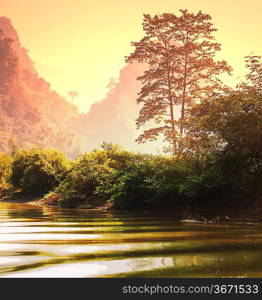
{"x": 18, "y": 197}
{"x": 218, "y": 187}
{"x": 251, "y": 214}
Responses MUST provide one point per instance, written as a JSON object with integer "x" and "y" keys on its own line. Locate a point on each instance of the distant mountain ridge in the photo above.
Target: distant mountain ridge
{"x": 31, "y": 113}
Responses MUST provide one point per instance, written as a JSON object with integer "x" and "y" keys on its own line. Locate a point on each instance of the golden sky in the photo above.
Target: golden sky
{"x": 81, "y": 44}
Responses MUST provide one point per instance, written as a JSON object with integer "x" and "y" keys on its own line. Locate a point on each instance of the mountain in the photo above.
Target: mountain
{"x": 113, "y": 118}
{"x": 32, "y": 114}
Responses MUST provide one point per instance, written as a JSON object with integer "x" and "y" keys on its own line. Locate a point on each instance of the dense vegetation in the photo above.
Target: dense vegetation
{"x": 37, "y": 172}
{"x": 222, "y": 172}
{"x": 216, "y": 161}
{"x": 5, "y": 172}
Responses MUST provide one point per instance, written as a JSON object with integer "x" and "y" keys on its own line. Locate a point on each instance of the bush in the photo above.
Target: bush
{"x": 5, "y": 172}
{"x": 146, "y": 180}
{"x": 38, "y": 171}
{"x": 125, "y": 179}
{"x": 141, "y": 181}
{"x": 88, "y": 172}
{"x": 225, "y": 180}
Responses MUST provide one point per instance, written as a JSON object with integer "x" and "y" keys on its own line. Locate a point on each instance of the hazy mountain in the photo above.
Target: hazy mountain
{"x": 113, "y": 118}
{"x": 31, "y": 113}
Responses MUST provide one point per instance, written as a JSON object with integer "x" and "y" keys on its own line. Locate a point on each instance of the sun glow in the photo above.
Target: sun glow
{"x": 80, "y": 45}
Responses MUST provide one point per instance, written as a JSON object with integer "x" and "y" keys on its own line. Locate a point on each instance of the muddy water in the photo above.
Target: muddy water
{"x": 49, "y": 242}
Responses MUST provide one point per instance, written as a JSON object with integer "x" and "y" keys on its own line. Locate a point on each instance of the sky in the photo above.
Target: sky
{"x": 81, "y": 44}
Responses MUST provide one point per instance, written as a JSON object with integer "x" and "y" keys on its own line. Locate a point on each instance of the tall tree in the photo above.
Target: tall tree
{"x": 179, "y": 52}
{"x": 73, "y": 94}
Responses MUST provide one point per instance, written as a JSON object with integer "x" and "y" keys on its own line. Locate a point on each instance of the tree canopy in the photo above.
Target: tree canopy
{"x": 179, "y": 52}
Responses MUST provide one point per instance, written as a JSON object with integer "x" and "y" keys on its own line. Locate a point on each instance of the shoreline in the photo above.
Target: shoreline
{"x": 251, "y": 215}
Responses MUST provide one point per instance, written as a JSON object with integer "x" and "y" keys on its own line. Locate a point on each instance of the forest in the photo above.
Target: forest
{"x": 212, "y": 133}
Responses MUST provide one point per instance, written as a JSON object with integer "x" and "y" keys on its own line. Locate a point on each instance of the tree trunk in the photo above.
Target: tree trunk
{"x": 183, "y": 98}
{"x": 172, "y": 125}
{"x": 171, "y": 106}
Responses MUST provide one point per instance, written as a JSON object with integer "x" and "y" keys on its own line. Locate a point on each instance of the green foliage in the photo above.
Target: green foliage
{"x": 38, "y": 171}
{"x": 231, "y": 123}
{"x": 128, "y": 180}
{"x": 226, "y": 180}
{"x": 89, "y": 171}
{"x": 147, "y": 180}
{"x": 127, "y": 187}
{"x": 224, "y": 133}
{"x": 125, "y": 179}
{"x": 5, "y": 172}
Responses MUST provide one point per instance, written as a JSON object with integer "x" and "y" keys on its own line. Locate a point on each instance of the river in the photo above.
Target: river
{"x": 55, "y": 242}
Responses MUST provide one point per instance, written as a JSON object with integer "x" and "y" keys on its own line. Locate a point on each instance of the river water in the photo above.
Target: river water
{"x": 54, "y": 242}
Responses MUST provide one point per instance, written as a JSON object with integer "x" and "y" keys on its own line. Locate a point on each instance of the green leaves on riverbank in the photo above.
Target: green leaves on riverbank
{"x": 36, "y": 172}
{"x": 5, "y": 172}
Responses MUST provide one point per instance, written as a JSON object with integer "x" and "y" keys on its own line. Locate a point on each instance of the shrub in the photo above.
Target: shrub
{"x": 38, "y": 171}
{"x": 146, "y": 180}
{"x": 88, "y": 172}
{"x": 5, "y": 172}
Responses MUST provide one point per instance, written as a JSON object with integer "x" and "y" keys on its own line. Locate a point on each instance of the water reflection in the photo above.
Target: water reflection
{"x": 50, "y": 242}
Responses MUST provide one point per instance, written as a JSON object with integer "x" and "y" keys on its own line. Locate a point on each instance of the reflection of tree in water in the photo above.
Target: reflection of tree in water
{"x": 26, "y": 213}
{"x": 59, "y": 214}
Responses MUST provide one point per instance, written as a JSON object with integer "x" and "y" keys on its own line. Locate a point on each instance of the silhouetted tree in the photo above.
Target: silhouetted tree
{"x": 179, "y": 52}
{"x": 73, "y": 94}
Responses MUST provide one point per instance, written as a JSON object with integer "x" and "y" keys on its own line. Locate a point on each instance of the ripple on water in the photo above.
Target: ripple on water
{"x": 43, "y": 242}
